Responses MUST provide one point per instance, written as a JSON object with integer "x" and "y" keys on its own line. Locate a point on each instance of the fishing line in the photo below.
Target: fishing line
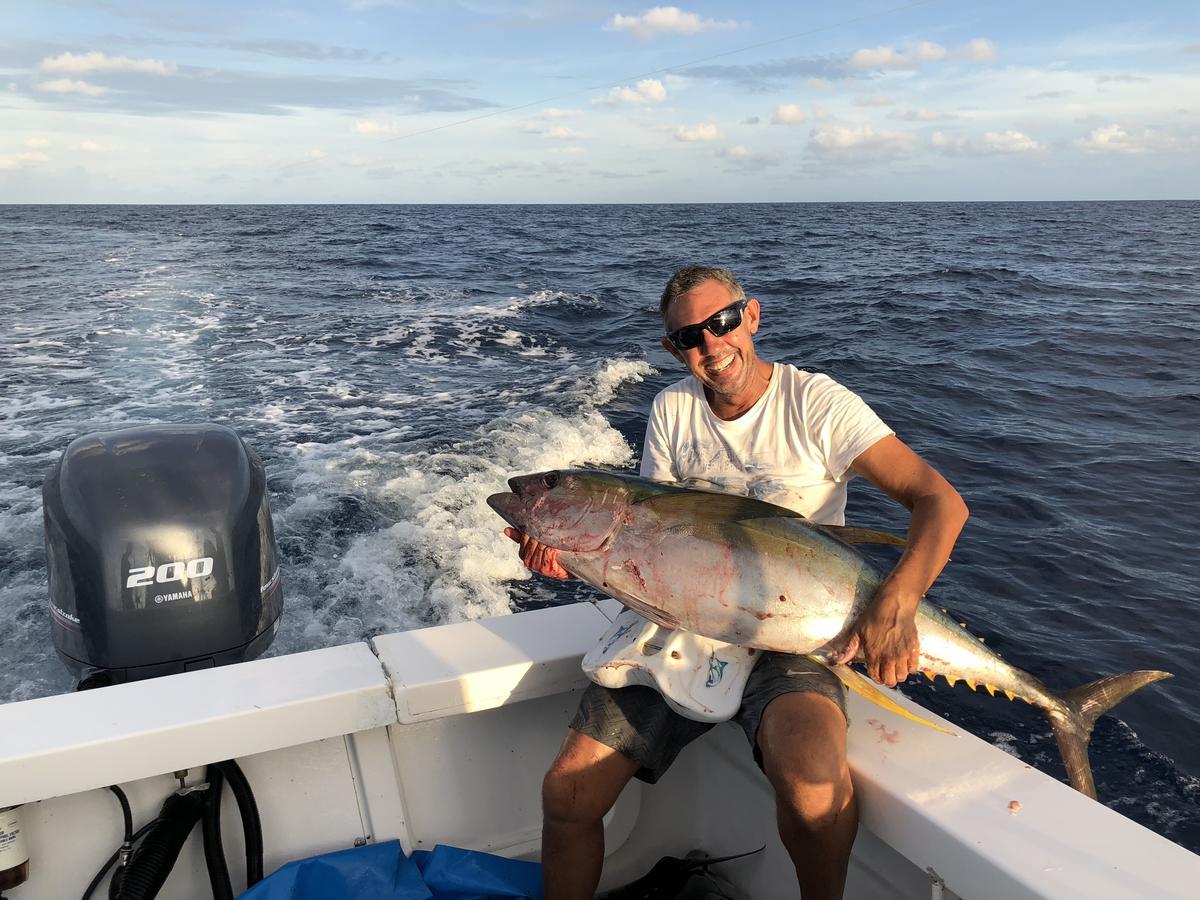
{"x": 662, "y": 71}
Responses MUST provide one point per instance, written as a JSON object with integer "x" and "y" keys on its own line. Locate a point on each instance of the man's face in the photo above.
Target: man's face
{"x": 724, "y": 364}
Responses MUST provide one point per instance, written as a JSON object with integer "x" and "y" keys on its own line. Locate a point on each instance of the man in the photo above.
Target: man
{"x": 794, "y": 438}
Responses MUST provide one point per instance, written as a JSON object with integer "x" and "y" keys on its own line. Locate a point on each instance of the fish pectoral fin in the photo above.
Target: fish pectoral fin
{"x": 863, "y": 535}
{"x": 657, "y": 616}
{"x": 867, "y": 689}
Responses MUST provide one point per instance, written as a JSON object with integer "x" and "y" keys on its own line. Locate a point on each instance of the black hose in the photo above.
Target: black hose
{"x": 214, "y": 851}
{"x": 126, "y": 845}
{"x": 125, "y": 811}
{"x": 152, "y": 860}
{"x": 251, "y": 823}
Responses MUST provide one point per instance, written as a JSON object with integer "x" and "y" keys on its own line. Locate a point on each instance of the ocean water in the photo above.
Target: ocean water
{"x": 394, "y": 365}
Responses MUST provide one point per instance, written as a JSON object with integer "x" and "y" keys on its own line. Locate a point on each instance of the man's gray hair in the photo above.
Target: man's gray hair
{"x": 691, "y": 276}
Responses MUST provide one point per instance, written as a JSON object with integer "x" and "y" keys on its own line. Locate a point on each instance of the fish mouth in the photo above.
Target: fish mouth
{"x": 509, "y": 507}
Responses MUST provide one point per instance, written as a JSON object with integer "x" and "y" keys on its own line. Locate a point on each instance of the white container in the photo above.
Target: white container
{"x": 14, "y": 858}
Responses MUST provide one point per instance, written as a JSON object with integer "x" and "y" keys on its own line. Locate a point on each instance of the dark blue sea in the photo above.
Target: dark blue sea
{"x": 393, "y": 365}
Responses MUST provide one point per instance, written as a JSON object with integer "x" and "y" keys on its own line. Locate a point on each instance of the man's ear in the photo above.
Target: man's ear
{"x": 673, "y": 350}
{"x": 753, "y": 315}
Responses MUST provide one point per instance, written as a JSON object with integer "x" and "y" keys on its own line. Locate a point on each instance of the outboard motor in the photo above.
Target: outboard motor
{"x": 160, "y": 552}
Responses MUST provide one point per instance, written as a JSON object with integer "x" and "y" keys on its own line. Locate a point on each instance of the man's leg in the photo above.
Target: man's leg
{"x": 582, "y": 785}
{"x": 803, "y": 743}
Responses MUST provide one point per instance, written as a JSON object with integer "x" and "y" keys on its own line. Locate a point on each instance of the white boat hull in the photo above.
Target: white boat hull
{"x": 442, "y": 735}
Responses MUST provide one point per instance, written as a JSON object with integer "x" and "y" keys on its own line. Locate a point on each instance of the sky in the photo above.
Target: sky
{"x": 563, "y": 101}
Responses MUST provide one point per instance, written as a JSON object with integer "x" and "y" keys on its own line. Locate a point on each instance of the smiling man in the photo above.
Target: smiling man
{"x": 743, "y": 425}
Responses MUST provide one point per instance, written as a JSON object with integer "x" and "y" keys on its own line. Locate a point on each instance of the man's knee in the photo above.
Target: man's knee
{"x": 803, "y": 743}
{"x": 584, "y": 781}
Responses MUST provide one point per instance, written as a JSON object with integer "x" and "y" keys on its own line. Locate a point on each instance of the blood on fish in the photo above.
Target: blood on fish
{"x": 632, "y": 569}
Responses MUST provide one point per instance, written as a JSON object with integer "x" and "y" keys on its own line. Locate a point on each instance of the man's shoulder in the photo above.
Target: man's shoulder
{"x": 682, "y": 391}
{"x": 808, "y": 381}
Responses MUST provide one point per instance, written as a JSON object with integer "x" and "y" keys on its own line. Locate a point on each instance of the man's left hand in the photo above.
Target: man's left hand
{"x": 885, "y": 634}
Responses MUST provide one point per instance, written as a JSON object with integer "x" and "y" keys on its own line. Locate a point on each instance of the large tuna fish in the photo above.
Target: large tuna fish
{"x": 752, "y": 573}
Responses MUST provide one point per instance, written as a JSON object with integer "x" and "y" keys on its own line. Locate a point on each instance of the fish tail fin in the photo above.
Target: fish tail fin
{"x": 867, "y": 689}
{"x": 1078, "y": 710}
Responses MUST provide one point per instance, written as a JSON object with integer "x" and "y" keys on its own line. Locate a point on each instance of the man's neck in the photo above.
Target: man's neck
{"x": 734, "y": 407}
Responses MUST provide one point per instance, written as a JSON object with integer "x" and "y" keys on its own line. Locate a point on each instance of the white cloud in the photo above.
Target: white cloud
{"x": 646, "y": 91}
{"x": 90, "y": 146}
{"x": 1115, "y": 139}
{"x": 707, "y": 131}
{"x": 1011, "y": 142}
{"x": 992, "y": 143}
{"x": 569, "y": 150}
{"x": 742, "y": 158}
{"x": 1121, "y": 77}
{"x": 1192, "y": 48}
{"x": 36, "y": 143}
{"x": 371, "y": 126}
{"x": 857, "y": 144}
{"x": 664, "y": 20}
{"x": 70, "y": 86}
{"x": 979, "y": 50}
{"x": 548, "y": 124}
{"x": 22, "y": 159}
{"x": 818, "y": 84}
{"x": 787, "y": 114}
{"x": 873, "y": 100}
{"x": 924, "y": 115}
{"x": 79, "y": 64}
{"x": 562, "y": 133}
{"x": 315, "y": 153}
{"x": 887, "y": 58}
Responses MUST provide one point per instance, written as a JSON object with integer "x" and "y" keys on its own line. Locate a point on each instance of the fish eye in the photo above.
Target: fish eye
{"x": 550, "y": 480}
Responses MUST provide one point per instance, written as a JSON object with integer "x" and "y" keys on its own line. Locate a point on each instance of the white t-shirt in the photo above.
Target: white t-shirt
{"x": 793, "y": 448}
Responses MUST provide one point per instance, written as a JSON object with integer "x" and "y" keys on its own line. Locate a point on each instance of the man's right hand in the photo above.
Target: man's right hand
{"x": 538, "y": 557}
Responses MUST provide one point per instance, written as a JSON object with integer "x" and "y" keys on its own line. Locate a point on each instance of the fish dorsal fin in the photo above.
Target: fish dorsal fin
{"x": 699, "y": 510}
{"x": 710, "y": 506}
{"x": 794, "y": 529}
{"x": 863, "y": 535}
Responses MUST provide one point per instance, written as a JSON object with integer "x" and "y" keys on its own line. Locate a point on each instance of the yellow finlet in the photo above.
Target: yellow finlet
{"x": 1010, "y": 695}
{"x": 981, "y": 640}
{"x": 867, "y": 689}
{"x": 971, "y": 684}
{"x": 991, "y": 689}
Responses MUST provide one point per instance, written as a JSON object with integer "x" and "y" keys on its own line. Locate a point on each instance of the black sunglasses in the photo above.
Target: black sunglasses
{"x": 721, "y": 322}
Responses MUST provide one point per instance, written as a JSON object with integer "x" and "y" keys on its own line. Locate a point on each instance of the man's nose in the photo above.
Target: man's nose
{"x": 709, "y": 342}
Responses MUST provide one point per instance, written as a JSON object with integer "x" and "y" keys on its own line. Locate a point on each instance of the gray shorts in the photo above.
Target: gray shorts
{"x": 638, "y": 723}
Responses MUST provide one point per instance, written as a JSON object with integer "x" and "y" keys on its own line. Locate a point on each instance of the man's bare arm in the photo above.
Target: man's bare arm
{"x": 885, "y": 633}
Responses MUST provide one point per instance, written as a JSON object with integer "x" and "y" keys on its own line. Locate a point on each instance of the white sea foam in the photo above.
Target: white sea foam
{"x": 443, "y": 557}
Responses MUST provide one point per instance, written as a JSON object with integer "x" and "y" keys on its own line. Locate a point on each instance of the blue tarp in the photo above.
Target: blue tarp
{"x": 383, "y": 872}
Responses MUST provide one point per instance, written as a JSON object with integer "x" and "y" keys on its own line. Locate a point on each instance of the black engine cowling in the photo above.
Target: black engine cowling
{"x": 160, "y": 550}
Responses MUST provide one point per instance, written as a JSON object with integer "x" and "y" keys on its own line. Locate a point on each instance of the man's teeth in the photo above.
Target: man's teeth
{"x": 720, "y": 367}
